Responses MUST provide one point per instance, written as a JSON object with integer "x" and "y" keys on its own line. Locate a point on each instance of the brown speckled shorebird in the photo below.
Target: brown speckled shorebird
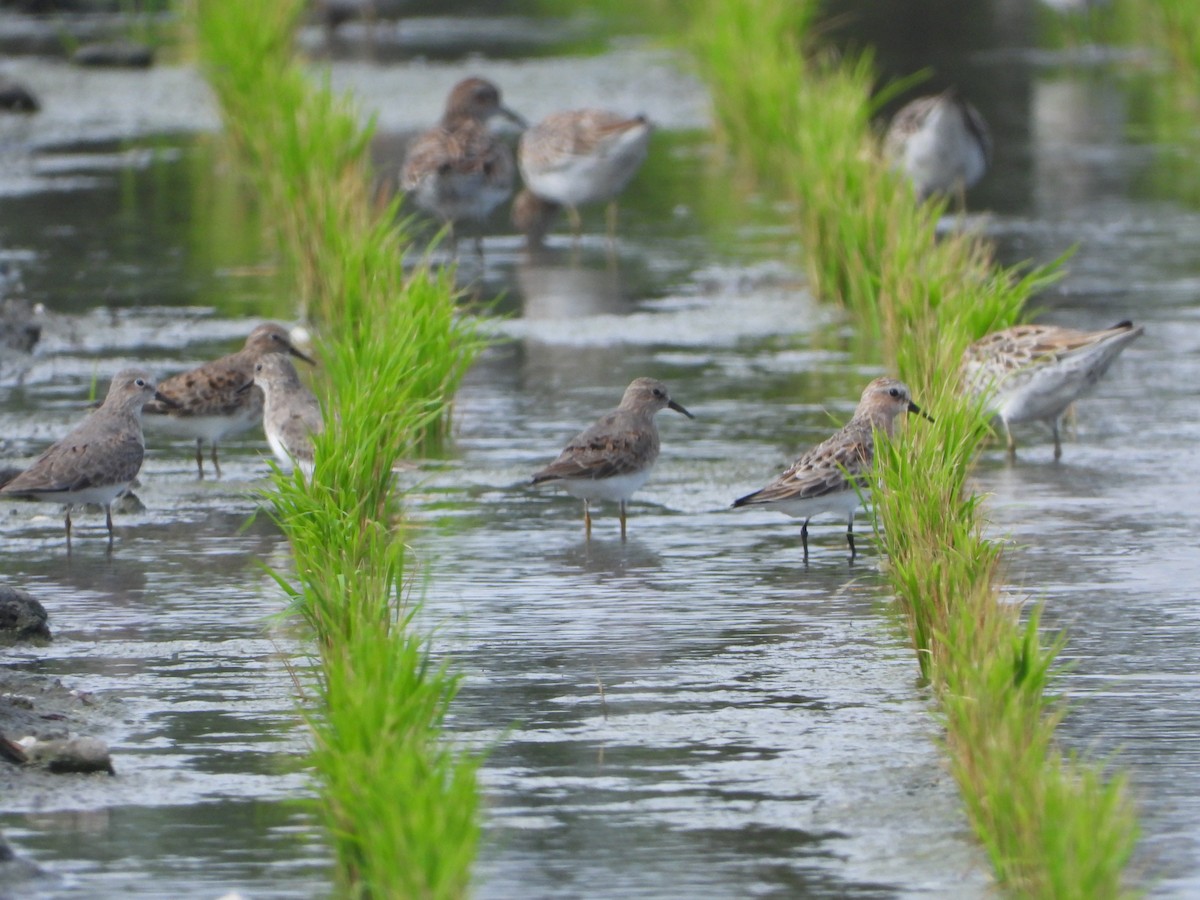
{"x": 532, "y": 216}
{"x": 583, "y": 156}
{"x": 291, "y": 413}
{"x": 208, "y": 403}
{"x": 611, "y": 459}
{"x": 828, "y": 477}
{"x": 99, "y": 457}
{"x": 1031, "y": 373}
{"x": 459, "y": 170}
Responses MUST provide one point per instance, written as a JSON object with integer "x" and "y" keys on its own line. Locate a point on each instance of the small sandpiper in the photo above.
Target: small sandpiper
{"x": 828, "y": 478}
{"x": 208, "y": 403}
{"x": 459, "y": 169}
{"x": 941, "y": 143}
{"x": 291, "y": 413}
{"x": 583, "y": 156}
{"x": 532, "y": 216}
{"x": 99, "y": 458}
{"x": 611, "y": 459}
{"x": 1034, "y": 372}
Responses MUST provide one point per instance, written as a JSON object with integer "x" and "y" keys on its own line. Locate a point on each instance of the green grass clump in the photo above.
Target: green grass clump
{"x": 799, "y": 119}
{"x": 400, "y": 805}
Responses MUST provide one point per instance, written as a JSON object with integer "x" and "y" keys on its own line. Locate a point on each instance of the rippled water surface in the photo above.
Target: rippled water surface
{"x": 692, "y": 712}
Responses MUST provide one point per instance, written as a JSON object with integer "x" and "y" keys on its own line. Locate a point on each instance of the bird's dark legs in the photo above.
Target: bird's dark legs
{"x": 68, "y": 531}
{"x": 216, "y": 462}
{"x": 200, "y": 457}
{"x": 804, "y": 539}
{"x": 622, "y": 520}
{"x": 108, "y": 522}
{"x": 587, "y": 521}
{"x": 850, "y": 538}
{"x": 1055, "y": 426}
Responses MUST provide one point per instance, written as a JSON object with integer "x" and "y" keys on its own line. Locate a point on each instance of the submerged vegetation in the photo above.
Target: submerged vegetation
{"x": 400, "y": 805}
{"x": 799, "y": 118}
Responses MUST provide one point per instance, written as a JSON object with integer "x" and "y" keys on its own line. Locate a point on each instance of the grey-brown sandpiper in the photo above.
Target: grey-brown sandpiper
{"x": 611, "y": 459}
{"x": 99, "y": 458}
{"x": 291, "y": 413}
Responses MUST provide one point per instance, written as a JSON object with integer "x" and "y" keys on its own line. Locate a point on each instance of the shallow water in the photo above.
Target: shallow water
{"x": 692, "y": 712}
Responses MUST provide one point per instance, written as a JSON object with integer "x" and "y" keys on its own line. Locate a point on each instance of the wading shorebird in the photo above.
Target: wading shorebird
{"x": 99, "y": 458}
{"x": 828, "y": 478}
{"x": 291, "y": 413}
{"x": 458, "y": 170}
{"x": 611, "y": 459}
{"x": 941, "y": 143}
{"x": 1034, "y": 372}
{"x": 532, "y": 216}
{"x": 583, "y": 156}
{"x": 208, "y": 403}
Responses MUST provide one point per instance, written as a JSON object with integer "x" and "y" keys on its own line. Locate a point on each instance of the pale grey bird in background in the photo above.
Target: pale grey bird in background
{"x": 941, "y": 143}
{"x": 582, "y": 156}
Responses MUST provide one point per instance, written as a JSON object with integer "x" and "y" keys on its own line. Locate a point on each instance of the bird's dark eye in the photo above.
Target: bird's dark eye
{"x": 894, "y": 392}
{"x": 140, "y": 382}
{"x": 658, "y": 392}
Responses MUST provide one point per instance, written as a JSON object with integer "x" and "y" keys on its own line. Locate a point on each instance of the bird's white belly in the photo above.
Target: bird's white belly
{"x": 455, "y": 197}
{"x": 939, "y": 163}
{"x": 590, "y": 178}
{"x": 207, "y": 428}
{"x": 842, "y": 503}
{"x": 102, "y": 494}
{"x": 619, "y": 487}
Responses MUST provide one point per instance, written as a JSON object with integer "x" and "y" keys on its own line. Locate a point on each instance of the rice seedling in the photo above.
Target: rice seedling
{"x": 799, "y": 118}
{"x": 399, "y": 803}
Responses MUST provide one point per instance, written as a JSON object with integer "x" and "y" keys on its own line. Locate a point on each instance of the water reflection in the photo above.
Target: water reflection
{"x": 561, "y": 283}
{"x": 1077, "y": 130}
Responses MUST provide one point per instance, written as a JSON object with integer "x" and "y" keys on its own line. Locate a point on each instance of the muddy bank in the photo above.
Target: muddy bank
{"x": 45, "y": 708}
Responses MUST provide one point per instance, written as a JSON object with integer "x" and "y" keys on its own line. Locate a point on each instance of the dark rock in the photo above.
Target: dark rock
{"x": 15, "y": 97}
{"x": 19, "y": 329}
{"x": 114, "y": 54}
{"x": 76, "y": 755}
{"x": 15, "y": 869}
{"x": 22, "y": 618}
{"x": 333, "y": 13}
